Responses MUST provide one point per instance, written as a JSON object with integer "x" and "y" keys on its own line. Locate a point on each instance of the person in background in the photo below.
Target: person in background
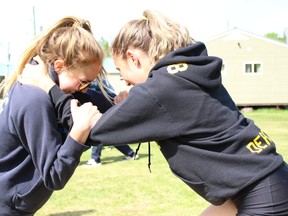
{"x": 103, "y": 101}
{"x": 179, "y": 101}
{"x": 34, "y": 160}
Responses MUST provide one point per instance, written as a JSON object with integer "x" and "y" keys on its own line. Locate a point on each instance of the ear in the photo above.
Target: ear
{"x": 133, "y": 58}
{"x": 58, "y": 65}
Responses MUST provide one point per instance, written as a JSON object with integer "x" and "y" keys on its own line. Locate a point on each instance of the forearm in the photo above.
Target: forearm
{"x": 123, "y": 123}
{"x": 129, "y": 123}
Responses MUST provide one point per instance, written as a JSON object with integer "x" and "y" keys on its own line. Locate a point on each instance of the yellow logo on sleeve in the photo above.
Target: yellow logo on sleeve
{"x": 259, "y": 143}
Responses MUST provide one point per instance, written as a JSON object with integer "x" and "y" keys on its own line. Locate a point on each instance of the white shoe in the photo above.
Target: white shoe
{"x": 92, "y": 163}
{"x": 134, "y": 157}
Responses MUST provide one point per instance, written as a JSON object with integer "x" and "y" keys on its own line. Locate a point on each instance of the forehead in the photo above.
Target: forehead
{"x": 90, "y": 71}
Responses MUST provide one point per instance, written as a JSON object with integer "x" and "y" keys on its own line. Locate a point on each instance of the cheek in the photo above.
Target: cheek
{"x": 129, "y": 76}
{"x": 68, "y": 85}
{"x": 138, "y": 77}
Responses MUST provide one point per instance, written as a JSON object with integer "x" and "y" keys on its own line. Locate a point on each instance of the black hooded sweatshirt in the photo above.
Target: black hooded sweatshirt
{"x": 184, "y": 107}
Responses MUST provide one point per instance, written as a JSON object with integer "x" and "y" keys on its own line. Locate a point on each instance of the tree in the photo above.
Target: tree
{"x": 105, "y": 46}
{"x": 275, "y": 36}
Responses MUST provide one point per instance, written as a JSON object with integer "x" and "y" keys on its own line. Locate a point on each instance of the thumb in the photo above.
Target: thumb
{"x": 73, "y": 105}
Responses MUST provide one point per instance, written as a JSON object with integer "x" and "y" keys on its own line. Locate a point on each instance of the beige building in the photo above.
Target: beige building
{"x": 255, "y": 68}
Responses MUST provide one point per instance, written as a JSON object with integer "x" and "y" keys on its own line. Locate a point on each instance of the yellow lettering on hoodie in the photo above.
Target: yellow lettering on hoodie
{"x": 259, "y": 143}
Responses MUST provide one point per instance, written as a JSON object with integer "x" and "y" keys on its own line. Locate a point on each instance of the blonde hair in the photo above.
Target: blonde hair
{"x": 70, "y": 39}
{"x": 154, "y": 34}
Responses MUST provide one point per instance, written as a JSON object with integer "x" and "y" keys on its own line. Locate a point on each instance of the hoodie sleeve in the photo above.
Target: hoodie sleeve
{"x": 36, "y": 125}
{"x": 139, "y": 118}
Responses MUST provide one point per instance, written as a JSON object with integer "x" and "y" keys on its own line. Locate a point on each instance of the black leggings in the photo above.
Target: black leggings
{"x": 267, "y": 197}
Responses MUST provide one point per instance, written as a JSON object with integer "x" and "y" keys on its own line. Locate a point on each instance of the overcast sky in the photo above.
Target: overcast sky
{"x": 204, "y": 19}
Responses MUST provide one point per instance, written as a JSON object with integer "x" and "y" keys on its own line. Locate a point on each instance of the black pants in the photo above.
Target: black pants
{"x": 267, "y": 197}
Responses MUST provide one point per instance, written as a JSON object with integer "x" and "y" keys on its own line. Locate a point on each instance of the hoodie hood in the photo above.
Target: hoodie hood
{"x": 204, "y": 70}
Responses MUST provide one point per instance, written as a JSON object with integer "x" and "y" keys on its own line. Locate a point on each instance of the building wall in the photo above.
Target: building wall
{"x": 269, "y": 87}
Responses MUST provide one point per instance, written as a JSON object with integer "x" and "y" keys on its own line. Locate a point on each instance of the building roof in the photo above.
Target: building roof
{"x": 239, "y": 34}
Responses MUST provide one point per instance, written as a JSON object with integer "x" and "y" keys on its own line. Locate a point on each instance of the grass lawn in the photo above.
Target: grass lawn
{"x": 124, "y": 188}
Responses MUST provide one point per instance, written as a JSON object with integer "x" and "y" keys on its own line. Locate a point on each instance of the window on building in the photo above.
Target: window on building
{"x": 252, "y": 68}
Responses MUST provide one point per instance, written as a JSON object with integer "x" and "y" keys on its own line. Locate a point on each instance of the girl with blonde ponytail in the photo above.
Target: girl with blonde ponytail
{"x": 34, "y": 159}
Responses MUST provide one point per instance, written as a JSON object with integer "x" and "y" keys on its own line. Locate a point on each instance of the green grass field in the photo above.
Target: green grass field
{"x": 124, "y": 188}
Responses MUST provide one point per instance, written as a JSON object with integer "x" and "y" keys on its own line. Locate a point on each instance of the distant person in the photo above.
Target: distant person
{"x": 96, "y": 153}
{"x": 179, "y": 101}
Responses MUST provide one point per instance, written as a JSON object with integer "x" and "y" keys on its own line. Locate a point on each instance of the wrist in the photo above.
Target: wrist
{"x": 79, "y": 134}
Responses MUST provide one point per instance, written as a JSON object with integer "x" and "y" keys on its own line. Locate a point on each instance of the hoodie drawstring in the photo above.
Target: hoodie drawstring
{"x": 149, "y": 154}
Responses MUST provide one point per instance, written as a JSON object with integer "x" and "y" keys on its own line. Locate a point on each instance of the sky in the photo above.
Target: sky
{"x": 205, "y": 19}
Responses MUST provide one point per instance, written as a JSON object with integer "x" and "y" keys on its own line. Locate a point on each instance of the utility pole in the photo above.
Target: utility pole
{"x": 34, "y": 21}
